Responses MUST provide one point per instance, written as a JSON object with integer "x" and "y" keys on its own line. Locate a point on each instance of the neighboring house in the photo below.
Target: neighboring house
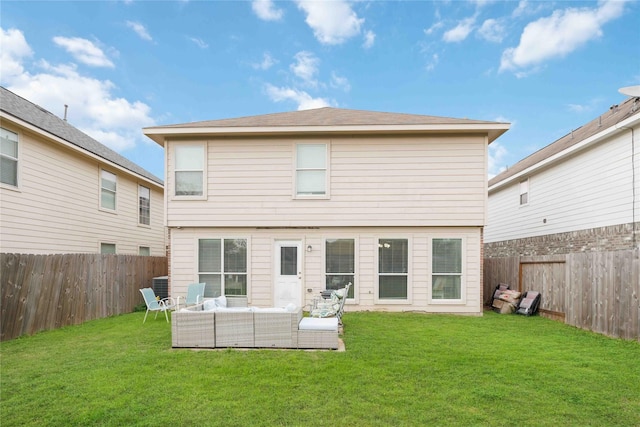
{"x": 63, "y": 192}
{"x": 580, "y": 193}
{"x": 279, "y": 207}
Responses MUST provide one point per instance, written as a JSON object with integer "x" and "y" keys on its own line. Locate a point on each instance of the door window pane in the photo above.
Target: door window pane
{"x": 288, "y": 261}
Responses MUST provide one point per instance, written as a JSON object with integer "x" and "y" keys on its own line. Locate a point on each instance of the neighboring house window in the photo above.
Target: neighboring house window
{"x": 144, "y": 205}
{"x": 311, "y": 169}
{"x": 144, "y": 251}
{"x": 8, "y": 157}
{"x": 189, "y": 170}
{"x": 446, "y": 267}
{"x": 393, "y": 268}
{"x": 107, "y": 190}
{"x": 222, "y": 265}
{"x": 524, "y": 192}
{"x": 107, "y": 248}
{"x": 340, "y": 264}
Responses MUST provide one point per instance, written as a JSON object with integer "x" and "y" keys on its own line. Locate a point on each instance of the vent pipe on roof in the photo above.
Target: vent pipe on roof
{"x": 65, "y": 112}
{"x": 599, "y": 121}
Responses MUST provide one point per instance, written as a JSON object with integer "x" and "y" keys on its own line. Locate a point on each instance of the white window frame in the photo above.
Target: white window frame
{"x": 140, "y": 222}
{"x": 524, "y": 190}
{"x": 408, "y": 274}
{"x": 175, "y": 148}
{"x": 326, "y": 169}
{"x": 355, "y": 265}
{"x": 462, "y": 274}
{"x": 222, "y": 271}
{"x": 103, "y": 189}
{"x": 16, "y": 159}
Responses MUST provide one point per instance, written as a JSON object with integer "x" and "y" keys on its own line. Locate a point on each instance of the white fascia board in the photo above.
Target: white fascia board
{"x": 159, "y": 134}
{"x": 77, "y": 149}
{"x": 594, "y": 139}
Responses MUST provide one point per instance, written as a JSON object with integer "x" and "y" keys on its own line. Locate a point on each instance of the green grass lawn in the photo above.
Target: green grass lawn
{"x": 398, "y": 369}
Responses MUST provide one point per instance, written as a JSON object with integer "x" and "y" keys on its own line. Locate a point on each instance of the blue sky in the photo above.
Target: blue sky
{"x": 547, "y": 67}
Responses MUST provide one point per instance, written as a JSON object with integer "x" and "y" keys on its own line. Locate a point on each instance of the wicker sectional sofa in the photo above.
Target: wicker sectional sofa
{"x": 249, "y": 327}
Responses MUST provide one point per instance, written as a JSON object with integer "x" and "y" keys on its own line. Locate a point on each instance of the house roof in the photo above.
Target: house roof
{"x": 328, "y": 120}
{"x": 45, "y": 121}
{"x": 615, "y": 115}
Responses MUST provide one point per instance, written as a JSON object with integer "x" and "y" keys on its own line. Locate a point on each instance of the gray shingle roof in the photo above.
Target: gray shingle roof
{"x": 37, "y": 116}
{"x": 328, "y": 116}
{"x": 606, "y": 120}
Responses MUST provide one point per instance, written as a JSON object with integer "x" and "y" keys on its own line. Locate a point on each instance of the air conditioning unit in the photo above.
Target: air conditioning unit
{"x": 161, "y": 286}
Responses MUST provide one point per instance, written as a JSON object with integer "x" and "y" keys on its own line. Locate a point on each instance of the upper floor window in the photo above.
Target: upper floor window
{"x": 8, "y": 157}
{"x": 107, "y": 190}
{"x": 222, "y": 265}
{"x": 393, "y": 268}
{"x": 446, "y": 266}
{"x": 340, "y": 264}
{"x": 311, "y": 170}
{"x": 524, "y": 192}
{"x": 189, "y": 170}
{"x": 144, "y": 205}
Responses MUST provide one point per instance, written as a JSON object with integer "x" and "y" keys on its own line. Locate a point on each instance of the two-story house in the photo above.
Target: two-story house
{"x": 279, "y": 207}
{"x": 62, "y": 191}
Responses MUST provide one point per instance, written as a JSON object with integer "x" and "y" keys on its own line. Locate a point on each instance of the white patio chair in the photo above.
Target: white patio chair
{"x": 154, "y": 304}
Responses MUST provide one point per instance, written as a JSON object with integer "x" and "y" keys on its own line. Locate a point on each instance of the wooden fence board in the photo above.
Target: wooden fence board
{"x": 40, "y": 292}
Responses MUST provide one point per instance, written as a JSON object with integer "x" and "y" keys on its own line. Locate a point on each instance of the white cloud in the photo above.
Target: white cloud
{"x": 303, "y": 99}
{"x": 93, "y": 108}
{"x": 84, "y": 51}
{"x": 460, "y": 32}
{"x": 14, "y": 49}
{"x": 497, "y": 155}
{"x": 492, "y": 30}
{"x": 559, "y": 34}
{"x": 266, "y": 63}
{"x": 339, "y": 82}
{"x": 306, "y": 67}
{"x": 199, "y": 42}
{"x": 434, "y": 28}
{"x": 266, "y": 10}
{"x": 140, "y": 30}
{"x": 332, "y": 22}
{"x": 369, "y": 39}
{"x": 433, "y": 62}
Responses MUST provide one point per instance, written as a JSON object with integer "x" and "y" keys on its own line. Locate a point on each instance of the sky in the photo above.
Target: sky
{"x": 546, "y": 67}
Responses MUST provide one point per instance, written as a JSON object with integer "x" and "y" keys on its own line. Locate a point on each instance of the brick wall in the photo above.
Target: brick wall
{"x": 611, "y": 238}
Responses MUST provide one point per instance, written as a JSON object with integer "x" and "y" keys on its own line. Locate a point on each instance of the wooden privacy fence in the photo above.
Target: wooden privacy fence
{"x": 41, "y": 292}
{"x": 598, "y": 291}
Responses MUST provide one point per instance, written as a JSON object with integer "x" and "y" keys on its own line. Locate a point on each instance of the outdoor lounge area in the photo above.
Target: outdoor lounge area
{"x": 225, "y": 322}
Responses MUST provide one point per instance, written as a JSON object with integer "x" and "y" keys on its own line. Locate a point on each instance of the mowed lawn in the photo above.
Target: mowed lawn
{"x": 403, "y": 369}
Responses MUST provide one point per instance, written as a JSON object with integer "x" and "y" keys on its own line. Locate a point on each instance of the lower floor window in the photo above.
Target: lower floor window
{"x": 446, "y": 265}
{"x": 144, "y": 250}
{"x": 107, "y": 248}
{"x": 393, "y": 268}
{"x": 340, "y": 264}
{"x": 222, "y": 266}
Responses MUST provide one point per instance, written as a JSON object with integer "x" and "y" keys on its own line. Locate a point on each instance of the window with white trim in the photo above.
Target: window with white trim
{"x": 108, "y": 186}
{"x": 524, "y": 192}
{"x": 144, "y": 251}
{"x": 222, "y": 265}
{"x": 393, "y": 268}
{"x": 189, "y": 170}
{"x": 144, "y": 205}
{"x": 311, "y": 170}
{"x": 8, "y": 157}
{"x": 340, "y": 264}
{"x": 446, "y": 269}
{"x": 107, "y": 248}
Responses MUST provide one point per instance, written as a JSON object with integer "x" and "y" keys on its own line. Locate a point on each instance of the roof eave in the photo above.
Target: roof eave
{"x": 159, "y": 134}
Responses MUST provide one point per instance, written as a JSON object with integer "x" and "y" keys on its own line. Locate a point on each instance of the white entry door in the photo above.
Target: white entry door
{"x": 288, "y": 273}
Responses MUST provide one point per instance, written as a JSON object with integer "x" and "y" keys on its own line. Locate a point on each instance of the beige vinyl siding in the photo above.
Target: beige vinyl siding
{"x": 261, "y": 271}
{"x": 593, "y": 188}
{"x": 56, "y": 208}
{"x": 374, "y": 181}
